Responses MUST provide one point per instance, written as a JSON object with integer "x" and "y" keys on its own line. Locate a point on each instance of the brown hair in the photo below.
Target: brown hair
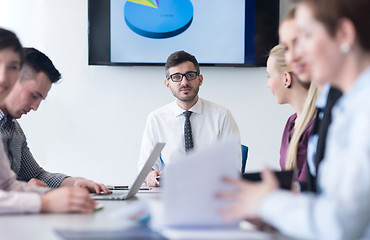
{"x": 179, "y": 57}
{"x": 289, "y": 15}
{"x": 331, "y": 12}
{"x": 9, "y": 40}
{"x": 39, "y": 62}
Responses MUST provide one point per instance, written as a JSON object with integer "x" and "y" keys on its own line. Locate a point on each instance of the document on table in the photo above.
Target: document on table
{"x": 191, "y": 184}
{"x": 129, "y": 233}
{"x": 215, "y": 233}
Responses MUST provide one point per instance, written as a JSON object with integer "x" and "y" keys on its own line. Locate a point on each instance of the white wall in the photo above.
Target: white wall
{"x": 91, "y": 123}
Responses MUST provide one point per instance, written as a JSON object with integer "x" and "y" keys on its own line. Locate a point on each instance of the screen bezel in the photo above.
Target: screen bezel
{"x": 261, "y": 38}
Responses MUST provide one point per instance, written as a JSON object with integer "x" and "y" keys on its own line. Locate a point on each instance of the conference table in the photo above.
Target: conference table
{"x": 106, "y": 224}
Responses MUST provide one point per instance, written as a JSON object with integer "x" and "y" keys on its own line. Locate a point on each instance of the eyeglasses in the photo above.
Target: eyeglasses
{"x": 177, "y": 77}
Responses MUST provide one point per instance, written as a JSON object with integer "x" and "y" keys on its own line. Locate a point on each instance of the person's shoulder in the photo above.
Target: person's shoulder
{"x": 290, "y": 122}
{"x": 15, "y": 121}
{"x": 14, "y": 126}
{"x": 163, "y": 110}
{"x": 308, "y": 130}
{"x": 311, "y": 124}
{"x": 213, "y": 106}
{"x": 292, "y": 117}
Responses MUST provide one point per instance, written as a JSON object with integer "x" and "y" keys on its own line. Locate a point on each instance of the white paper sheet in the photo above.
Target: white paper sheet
{"x": 191, "y": 184}
{"x": 212, "y": 233}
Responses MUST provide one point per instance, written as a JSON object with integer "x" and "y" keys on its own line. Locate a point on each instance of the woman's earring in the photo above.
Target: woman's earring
{"x": 345, "y": 48}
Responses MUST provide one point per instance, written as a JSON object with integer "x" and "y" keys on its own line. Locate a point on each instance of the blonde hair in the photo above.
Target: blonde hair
{"x": 309, "y": 108}
{"x": 278, "y": 52}
{"x": 308, "y": 113}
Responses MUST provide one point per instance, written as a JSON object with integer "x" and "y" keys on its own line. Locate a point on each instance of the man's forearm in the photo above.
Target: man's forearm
{"x": 69, "y": 181}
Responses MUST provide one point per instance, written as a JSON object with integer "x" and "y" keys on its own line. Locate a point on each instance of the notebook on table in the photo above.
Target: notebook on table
{"x": 139, "y": 179}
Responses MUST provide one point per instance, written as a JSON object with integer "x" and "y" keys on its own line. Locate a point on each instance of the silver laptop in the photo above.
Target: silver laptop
{"x": 139, "y": 179}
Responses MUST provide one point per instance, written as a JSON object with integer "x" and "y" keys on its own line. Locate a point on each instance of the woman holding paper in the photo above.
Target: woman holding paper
{"x": 335, "y": 43}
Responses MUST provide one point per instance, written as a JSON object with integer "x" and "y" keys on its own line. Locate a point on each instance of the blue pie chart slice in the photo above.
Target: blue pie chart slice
{"x": 169, "y": 19}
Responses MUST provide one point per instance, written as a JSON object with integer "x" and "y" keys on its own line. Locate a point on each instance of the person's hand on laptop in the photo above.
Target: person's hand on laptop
{"x": 91, "y": 186}
{"x": 151, "y": 179}
{"x": 67, "y": 199}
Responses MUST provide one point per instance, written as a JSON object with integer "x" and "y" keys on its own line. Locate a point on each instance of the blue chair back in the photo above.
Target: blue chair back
{"x": 244, "y": 157}
{"x": 163, "y": 165}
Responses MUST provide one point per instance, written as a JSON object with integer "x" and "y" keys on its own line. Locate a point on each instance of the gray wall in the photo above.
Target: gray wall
{"x": 91, "y": 123}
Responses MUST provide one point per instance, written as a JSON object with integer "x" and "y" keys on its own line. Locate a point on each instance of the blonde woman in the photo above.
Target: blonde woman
{"x": 288, "y": 89}
{"x": 328, "y": 96}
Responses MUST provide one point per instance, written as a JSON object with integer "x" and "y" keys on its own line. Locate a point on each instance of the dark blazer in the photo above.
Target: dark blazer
{"x": 321, "y": 127}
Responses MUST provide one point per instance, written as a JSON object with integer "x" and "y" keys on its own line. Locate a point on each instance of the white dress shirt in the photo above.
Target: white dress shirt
{"x": 16, "y": 196}
{"x": 209, "y": 122}
{"x": 342, "y": 209}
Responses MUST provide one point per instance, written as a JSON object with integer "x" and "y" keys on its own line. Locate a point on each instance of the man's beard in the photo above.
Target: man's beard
{"x": 189, "y": 97}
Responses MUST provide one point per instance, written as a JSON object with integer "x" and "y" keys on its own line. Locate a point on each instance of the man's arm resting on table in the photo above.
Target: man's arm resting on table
{"x": 67, "y": 199}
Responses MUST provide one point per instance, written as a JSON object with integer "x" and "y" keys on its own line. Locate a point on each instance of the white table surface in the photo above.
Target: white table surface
{"x": 43, "y": 226}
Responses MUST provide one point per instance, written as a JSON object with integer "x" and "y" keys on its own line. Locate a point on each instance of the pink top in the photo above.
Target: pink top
{"x": 16, "y": 196}
{"x": 302, "y": 147}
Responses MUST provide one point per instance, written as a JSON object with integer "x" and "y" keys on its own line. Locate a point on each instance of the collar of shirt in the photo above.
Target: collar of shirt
{"x": 362, "y": 83}
{"x": 5, "y": 120}
{"x": 2, "y": 116}
{"x": 323, "y": 96}
{"x": 197, "y": 108}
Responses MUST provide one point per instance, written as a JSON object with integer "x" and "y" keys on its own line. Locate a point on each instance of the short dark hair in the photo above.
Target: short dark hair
{"x": 179, "y": 57}
{"x": 39, "y": 62}
{"x": 8, "y": 39}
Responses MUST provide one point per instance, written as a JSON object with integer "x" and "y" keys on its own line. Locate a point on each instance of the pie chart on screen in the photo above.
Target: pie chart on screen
{"x": 158, "y": 18}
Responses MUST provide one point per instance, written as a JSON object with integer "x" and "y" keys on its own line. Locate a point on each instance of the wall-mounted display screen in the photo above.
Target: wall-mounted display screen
{"x": 217, "y": 32}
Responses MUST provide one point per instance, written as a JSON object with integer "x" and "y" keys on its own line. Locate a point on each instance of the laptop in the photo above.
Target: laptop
{"x": 139, "y": 179}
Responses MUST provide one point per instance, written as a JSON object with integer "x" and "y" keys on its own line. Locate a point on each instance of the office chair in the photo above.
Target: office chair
{"x": 163, "y": 165}
{"x": 244, "y": 157}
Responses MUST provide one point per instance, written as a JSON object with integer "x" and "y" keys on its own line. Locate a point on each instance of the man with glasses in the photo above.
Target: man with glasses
{"x": 189, "y": 123}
